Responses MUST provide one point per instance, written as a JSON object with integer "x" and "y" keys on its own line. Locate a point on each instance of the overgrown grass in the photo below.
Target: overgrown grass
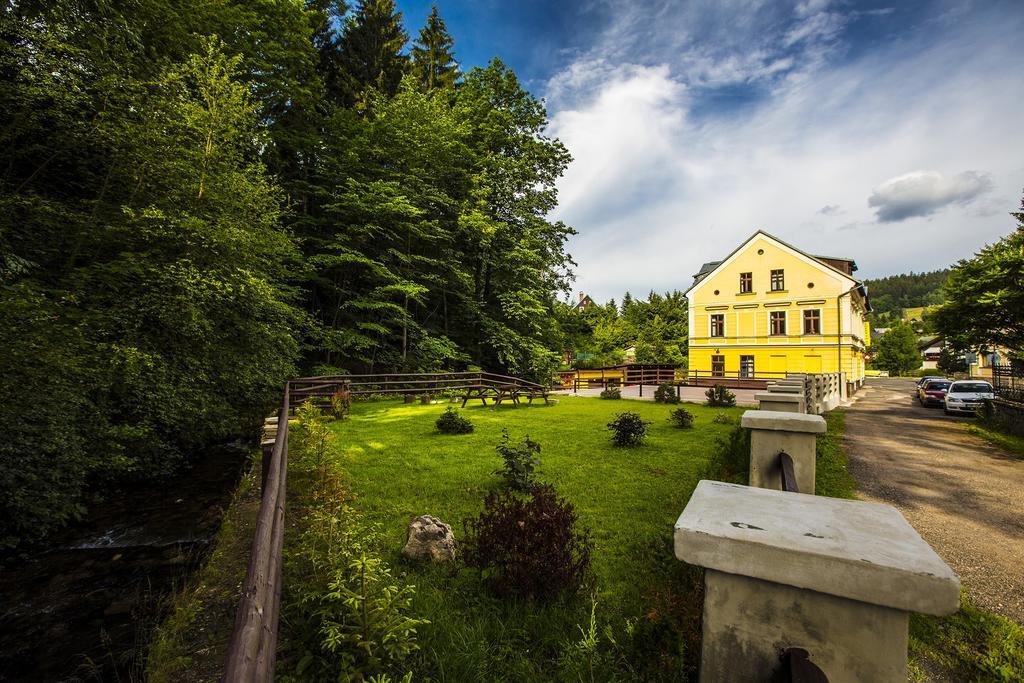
{"x": 831, "y": 477}
{"x": 997, "y": 437}
{"x": 972, "y": 645}
{"x": 646, "y": 604}
{"x": 191, "y": 643}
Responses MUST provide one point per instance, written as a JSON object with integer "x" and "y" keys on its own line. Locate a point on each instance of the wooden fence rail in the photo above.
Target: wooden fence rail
{"x": 252, "y": 652}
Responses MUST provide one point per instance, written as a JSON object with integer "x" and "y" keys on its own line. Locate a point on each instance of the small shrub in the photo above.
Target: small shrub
{"x": 346, "y": 611}
{"x": 452, "y": 422}
{"x": 724, "y": 419}
{"x": 341, "y": 401}
{"x": 521, "y": 461}
{"x": 611, "y": 393}
{"x": 628, "y": 429}
{"x": 666, "y": 393}
{"x": 720, "y": 397}
{"x": 681, "y": 418}
{"x": 528, "y": 547}
{"x": 730, "y": 460}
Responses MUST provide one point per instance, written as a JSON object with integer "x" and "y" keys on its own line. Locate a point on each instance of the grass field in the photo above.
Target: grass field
{"x": 646, "y": 603}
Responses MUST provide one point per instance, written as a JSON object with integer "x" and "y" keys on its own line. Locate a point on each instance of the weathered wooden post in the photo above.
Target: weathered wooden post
{"x": 774, "y": 432}
{"x": 837, "y": 578}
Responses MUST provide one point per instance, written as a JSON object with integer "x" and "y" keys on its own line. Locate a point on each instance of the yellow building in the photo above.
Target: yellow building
{"x": 769, "y": 309}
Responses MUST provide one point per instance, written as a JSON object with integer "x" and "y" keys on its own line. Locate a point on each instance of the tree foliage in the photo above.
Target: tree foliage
{"x": 201, "y": 198}
{"x": 984, "y": 305}
{"x": 897, "y": 350}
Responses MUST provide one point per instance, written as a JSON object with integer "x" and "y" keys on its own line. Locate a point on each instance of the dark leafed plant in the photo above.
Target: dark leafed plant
{"x": 681, "y": 418}
{"x": 451, "y": 422}
{"x": 720, "y": 397}
{"x": 529, "y": 546}
{"x": 521, "y": 461}
{"x": 628, "y": 429}
{"x": 666, "y": 393}
{"x": 611, "y": 393}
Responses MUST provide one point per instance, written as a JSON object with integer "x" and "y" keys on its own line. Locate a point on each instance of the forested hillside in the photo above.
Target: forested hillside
{"x": 199, "y": 200}
{"x": 891, "y": 295}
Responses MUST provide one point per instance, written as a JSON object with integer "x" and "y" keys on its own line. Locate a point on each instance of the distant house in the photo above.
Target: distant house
{"x": 584, "y": 302}
{"x": 931, "y": 349}
{"x": 980, "y": 363}
{"x": 629, "y": 354}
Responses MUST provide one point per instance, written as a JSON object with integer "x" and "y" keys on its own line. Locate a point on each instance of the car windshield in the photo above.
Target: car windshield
{"x": 971, "y": 388}
{"x": 936, "y": 386}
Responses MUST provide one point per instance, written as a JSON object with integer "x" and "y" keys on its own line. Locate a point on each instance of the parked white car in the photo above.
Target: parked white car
{"x": 966, "y": 396}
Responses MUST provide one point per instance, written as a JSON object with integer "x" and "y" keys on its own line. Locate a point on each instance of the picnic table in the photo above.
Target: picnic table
{"x": 503, "y": 392}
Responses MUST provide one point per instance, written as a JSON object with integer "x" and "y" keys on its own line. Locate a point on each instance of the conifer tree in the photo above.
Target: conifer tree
{"x": 433, "y": 57}
{"x": 371, "y": 50}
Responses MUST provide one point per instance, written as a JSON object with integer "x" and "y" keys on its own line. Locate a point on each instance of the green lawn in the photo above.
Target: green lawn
{"x": 647, "y": 603}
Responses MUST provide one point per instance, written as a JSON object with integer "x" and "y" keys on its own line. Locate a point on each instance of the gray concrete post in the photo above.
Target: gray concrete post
{"x": 779, "y": 402}
{"x": 837, "y": 578}
{"x": 772, "y": 432}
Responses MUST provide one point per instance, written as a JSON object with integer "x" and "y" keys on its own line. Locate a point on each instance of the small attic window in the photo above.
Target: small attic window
{"x": 810, "y": 285}
{"x": 716, "y": 292}
{"x": 760, "y": 252}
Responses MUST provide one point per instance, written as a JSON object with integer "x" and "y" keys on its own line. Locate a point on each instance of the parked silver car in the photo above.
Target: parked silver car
{"x": 966, "y": 396}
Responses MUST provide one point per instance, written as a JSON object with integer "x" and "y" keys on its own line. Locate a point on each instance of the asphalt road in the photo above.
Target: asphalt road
{"x": 964, "y": 496}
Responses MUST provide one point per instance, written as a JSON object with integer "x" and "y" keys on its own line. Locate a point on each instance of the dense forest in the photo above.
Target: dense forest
{"x": 199, "y": 200}
{"x": 891, "y": 295}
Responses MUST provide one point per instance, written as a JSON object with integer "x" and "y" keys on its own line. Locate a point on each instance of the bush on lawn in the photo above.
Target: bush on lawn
{"x": 344, "y": 608}
{"x": 341, "y": 402}
{"x": 730, "y": 461}
{"x": 666, "y": 393}
{"x": 452, "y": 422}
{"x": 528, "y": 546}
{"x": 720, "y": 397}
{"x": 611, "y": 393}
{"x": 681, "y": 418}
{"x": 521, "y": 461}
{"x": 628, "y": 429}
{"x": 723, "y": 419}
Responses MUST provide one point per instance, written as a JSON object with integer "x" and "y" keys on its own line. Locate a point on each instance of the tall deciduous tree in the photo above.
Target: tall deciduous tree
{"x": 433, "y": 55}
{"x": 897, "y": 350}
{"x": 984, "y": 305}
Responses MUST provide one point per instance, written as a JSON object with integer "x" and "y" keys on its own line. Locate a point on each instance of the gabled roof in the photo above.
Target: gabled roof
{"x": 712, "y": 266}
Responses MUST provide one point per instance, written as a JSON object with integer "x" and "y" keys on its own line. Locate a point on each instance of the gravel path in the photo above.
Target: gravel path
{"x": 964, "y": 496}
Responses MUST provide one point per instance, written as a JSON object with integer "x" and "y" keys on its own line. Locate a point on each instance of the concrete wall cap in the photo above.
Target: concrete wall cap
{"x": 785, "y": 389}
{"x": 778, "y": 421}
{"x": 777, "y": 396}
{"x": 848, "y": 548}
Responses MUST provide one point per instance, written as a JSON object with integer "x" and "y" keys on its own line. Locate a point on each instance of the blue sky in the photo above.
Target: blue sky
{"x": 886, "y": 132}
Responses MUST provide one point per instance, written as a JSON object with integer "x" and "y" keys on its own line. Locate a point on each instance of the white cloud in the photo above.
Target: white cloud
{"x": 922, "y": 193}
{"x": 656, "y": 188}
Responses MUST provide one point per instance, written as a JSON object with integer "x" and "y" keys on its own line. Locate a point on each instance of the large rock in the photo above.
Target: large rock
{"x": 428, "y": 538}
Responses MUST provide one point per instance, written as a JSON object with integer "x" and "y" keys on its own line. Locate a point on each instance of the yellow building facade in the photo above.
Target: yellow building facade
{"x": 769, "y": 309}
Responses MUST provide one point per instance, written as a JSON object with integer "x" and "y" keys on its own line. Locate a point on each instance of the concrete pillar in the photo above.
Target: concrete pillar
{"x": 773, "y": 432}
{"x": 837, "y": 578}
{"x": 779, "y": 402}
